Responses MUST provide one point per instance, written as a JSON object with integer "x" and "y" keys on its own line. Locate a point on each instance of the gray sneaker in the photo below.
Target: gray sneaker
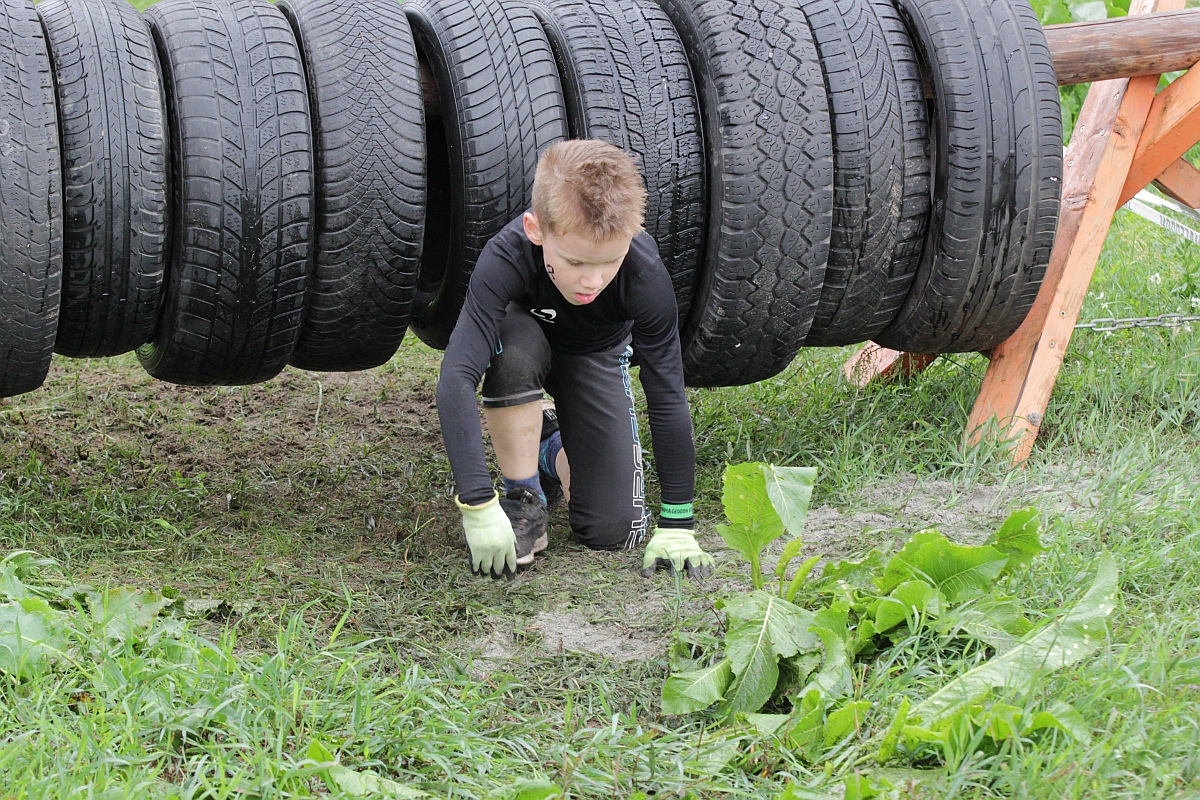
{"x": 527, "y": 513}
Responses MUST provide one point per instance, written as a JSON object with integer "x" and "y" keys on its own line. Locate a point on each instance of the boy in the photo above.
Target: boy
{"x": 556, "y": 300}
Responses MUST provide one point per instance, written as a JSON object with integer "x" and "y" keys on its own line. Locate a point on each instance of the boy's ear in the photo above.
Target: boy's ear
{"x": 533, "y": 228}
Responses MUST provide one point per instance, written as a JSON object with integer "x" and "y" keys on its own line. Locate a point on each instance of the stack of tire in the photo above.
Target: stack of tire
{"x": 231, "y": 186}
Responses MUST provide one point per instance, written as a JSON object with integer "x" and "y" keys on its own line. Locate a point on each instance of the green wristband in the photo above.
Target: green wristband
{"x": 676, "y": 510}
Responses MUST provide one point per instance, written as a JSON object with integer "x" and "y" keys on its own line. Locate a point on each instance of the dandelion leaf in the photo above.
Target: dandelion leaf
{"x": 688, "y": 692}
{"x": 959, "y": 572}
{"x": 790, "y": 490}
{"x": 1064, "y": 641}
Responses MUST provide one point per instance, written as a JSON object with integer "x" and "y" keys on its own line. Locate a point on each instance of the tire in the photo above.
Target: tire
{"x": 241, "y": 149}
{"x": 868, "y": 167}
{"x": 501, "y": 104}
{"x": 31, "y": 221}
{"x": 916, "y": 200}
{"x": 767, "y": 137}
{"x": 114, "y": 155}
{"x": 997, "y": 174}
{"x": 369, "y": 142}
{"x": 626, "y": 80}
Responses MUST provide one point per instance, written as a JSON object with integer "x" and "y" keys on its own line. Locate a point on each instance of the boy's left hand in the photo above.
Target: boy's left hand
{"x": 676, "y": 550}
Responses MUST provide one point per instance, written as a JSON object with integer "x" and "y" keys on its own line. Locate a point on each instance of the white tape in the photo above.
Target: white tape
{"x": 1145, "y": 211}
{"x": 1168, "y": 203}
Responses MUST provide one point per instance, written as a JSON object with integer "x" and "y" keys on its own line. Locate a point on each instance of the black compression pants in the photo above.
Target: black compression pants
{"x": 593, "y": 397}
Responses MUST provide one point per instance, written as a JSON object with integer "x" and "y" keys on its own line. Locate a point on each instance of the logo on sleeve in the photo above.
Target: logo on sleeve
{"x": 544, "y": 314}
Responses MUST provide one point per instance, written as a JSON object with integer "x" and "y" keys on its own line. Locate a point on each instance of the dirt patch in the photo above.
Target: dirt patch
{"x": 560, "y": 632}
{"x": 888, "y": 512}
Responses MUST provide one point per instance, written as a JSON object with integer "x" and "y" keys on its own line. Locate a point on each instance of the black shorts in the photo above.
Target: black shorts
{"x": 593, "y": 397}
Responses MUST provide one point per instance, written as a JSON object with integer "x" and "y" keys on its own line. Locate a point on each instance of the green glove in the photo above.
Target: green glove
{"x": 676, "y": 550}
{"x": 490, "y": 537}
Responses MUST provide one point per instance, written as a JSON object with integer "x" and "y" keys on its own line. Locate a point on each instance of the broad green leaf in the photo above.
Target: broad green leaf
{"x": 906, "y": 600}
{"x": 369, "y": 784}
{"x": 790, "y": 551}
{"x": 858, "y": 574}
{"x": 845, "y": 719}
{"x": 749, "y": 509}
{"x": 1064, "y": 717}
{"x": 529, "y": 790}
{"x": 864, "y": 787}
{"x": 1018, "y": 538}
{"x": 688, "y": 692}
{"x": 790, "y": 490}
{"x": 834, "y": 679}
{"x": 28, "y": 635}
{"x": 915, "y": 734}
{"x": 11, "y": 587}
{"x": 959, "y": 572}
{"x": 126, "y": 612}
{"x": 712, "y": 759}
{"x": 999, "y": 621}
{"x": 767, "y": 724}
{"x": 1064, "y": 641}
{"x": 358, "y": 783}
{"x": 761, "y": 630}
{"x": 1001, "y": 722}
{"x": 744, "y": 539}
{"x": 757, "y": 619}
{"x": 805, "y": 733}
{"x": 318, "y": 753}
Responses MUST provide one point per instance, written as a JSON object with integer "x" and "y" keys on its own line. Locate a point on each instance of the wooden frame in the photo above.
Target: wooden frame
{"x": 1125, "y": 138}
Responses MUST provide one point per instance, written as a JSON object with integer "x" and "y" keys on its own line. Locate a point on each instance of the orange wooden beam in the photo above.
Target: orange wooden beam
{"x": 1020, "y": 378}
{"x": 1172, "y": 128}
{"x": 1181, "y": 181}
{"x": 876, "y": 363}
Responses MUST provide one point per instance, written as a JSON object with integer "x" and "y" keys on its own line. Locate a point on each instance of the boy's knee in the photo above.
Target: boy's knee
{"x": 620, "y": 533}
{"x": 516, "y": 373}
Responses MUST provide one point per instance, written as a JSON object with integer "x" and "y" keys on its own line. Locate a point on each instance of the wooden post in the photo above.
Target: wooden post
{"x": 1170, "y": 131}
{"x": 1125, "y": 138}
{"x": 1020, "y": 378}
{"x": 876, "y": 363}
{"x": 1124, "y": 47}
{"x": 1182, "y": 182}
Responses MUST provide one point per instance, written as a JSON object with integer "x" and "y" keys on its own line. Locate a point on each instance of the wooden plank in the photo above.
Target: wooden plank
{"x": 1022, "y": 372}
{"x": 1125, "y": 47}
{"x": 875, "y": 363}
{"x": 1181, "y": 181}
{"x": 1172, "y": 128}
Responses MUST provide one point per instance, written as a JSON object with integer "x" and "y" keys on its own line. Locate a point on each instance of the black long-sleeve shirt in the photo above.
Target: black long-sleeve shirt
{"x": 639, "y": 300}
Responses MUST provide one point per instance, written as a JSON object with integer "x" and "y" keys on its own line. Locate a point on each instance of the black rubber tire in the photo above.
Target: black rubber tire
{"x": 997, "y": 174}
{"x": 626, "y": 80}
{"x": 770, "y": 195}
{"x": 868, "y": 167}
{"x": 241, "y": 148}
{"x": 916, "y": 200}
{"x": 31, "y": 221}
{"x": 114, "y": 156}
{"x": 501, "y": 104}
{"x": 369, "y": 142}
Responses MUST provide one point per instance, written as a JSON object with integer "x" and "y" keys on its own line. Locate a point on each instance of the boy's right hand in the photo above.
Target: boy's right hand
{"x": 490, "y": 537}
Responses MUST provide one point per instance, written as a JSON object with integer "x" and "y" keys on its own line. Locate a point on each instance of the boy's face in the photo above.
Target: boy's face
{"x": 578, "y": 267}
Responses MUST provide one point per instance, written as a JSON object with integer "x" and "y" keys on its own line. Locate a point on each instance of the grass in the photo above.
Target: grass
{"x": 317, "y": 506}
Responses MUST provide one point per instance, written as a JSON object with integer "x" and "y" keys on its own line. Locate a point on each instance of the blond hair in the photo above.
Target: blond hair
{"x": 590, "y": 188}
